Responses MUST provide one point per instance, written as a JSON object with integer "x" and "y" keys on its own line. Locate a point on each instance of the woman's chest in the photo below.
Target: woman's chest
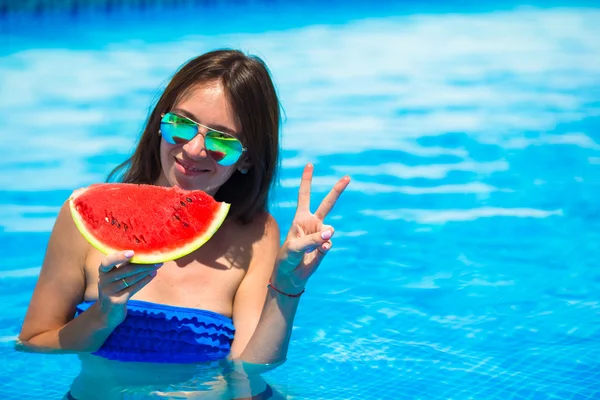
{"x": 207, "y": 278}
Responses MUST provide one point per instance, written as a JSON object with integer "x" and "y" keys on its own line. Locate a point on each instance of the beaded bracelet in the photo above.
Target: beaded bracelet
{"x": 270, "y": 285}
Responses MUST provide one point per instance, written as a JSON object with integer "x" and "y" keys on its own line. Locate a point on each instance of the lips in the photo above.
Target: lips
{"x": 189, "y": 168}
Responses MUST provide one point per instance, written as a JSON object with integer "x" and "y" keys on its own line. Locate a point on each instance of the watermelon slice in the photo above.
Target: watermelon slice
{"x": 158, "y": 223}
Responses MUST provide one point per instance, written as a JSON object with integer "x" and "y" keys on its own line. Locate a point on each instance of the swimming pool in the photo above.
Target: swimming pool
{"x": 464, "y": 259}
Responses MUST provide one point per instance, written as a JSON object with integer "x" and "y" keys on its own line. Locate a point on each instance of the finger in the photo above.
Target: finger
{"x": 299, "y": 231}
{"x": 295, "y": 231}
{"x": 304, "y": 191}
{"x": 308, "y": 243}
{"x": 139, "y": 285}
{"x": 133, "y": 279}
{"x": 318, "y": 256}
{"x": 126, "y": 270}
{"x": 323, "y": 249}
{"x": 125, "y": 283}
{"x": 316, "y": 246}
{"x": 111, "y": 260}
{"x": 329, "y": 201}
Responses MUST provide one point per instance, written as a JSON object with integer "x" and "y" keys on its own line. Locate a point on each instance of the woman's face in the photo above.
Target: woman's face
{"x": 189, "y": 165}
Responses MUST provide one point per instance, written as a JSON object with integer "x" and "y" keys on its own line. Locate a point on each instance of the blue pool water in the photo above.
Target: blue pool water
{"x": 465, "y": 258}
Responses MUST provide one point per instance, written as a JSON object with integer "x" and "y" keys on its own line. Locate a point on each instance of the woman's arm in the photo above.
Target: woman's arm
{"x": 60, "y": 287}
{"x": 264, "y": 317}
{"x": 256, "y": 308}
{"x": 49, "y": 325}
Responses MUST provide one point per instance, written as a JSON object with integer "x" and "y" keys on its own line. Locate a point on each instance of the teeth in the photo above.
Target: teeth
{"x": 188, "y": 168}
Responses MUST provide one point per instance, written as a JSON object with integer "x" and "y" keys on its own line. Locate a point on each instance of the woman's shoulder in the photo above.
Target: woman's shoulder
{"x": 64, "y": 219}
{"x": 66, "y": 230}
{"x": 66, "y": 249}
{"x": 262, "y": 223}
{"x": 254, "y": 232}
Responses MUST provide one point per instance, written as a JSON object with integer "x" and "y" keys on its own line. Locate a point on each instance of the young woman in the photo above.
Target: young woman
{"x": 215, "y": 128}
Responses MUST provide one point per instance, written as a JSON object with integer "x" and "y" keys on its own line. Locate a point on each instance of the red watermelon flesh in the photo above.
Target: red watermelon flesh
{"x": 158, "y": 223}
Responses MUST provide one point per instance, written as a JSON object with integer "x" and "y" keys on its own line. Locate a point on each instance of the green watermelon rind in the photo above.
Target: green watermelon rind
{"x": 149, "y": 258}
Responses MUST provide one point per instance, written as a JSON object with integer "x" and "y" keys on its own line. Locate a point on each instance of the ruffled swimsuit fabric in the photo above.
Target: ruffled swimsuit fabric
{"x": 160, "y": 333}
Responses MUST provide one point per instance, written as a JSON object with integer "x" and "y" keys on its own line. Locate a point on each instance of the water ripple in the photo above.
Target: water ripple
{"x": 443, "y": 216}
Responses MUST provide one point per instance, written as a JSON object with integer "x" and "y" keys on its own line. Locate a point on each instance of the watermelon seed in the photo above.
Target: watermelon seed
{"x": 125, "y": 226}
{"x": 175, "y": 216}
{"x": 114, "y": 221}
{"x": 136, "y": 239}
{"x": 182, "y": 203}
{"x": 118, "y": 225}
{"x": 185, "y": 224}
{"x": 188, "y": 199}
{"x": 106, "y": 219}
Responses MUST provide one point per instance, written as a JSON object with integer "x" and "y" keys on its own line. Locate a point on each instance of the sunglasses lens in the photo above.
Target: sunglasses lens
{"x": 177, "y": 130}
{"x": 223, "y": 149}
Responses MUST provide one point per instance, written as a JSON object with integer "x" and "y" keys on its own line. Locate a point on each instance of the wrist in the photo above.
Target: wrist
{"x": 285, "y": 285}
{"x": 284, "y": 293}
{"x": 107, "y": 317}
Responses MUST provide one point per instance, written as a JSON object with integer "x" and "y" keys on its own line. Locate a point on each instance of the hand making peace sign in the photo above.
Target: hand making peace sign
{"x": 308, "y": 239}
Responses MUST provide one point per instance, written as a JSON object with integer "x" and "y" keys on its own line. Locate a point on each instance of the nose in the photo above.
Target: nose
{"x": 195, "y": 148}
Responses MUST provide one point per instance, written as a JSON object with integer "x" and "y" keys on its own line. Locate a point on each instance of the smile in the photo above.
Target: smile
{"x": 188, "y": 168}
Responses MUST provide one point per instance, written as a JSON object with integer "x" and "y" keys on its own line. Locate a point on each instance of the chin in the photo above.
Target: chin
{"x": 193, "y": 184}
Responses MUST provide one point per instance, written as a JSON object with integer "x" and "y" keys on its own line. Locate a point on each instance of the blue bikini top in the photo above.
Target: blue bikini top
{"x": 161, "y": 333}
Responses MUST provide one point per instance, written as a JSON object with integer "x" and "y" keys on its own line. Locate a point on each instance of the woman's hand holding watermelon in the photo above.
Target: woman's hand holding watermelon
{"x": 308, "y": 240}
{"x": 118, "y": 281}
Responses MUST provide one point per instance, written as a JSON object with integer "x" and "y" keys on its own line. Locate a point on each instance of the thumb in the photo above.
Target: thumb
{"x": 112, "y": 260}
{"x": 307, "y": 243}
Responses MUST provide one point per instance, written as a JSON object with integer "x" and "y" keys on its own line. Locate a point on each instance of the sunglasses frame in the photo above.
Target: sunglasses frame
{"x": 208, "y": 129}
